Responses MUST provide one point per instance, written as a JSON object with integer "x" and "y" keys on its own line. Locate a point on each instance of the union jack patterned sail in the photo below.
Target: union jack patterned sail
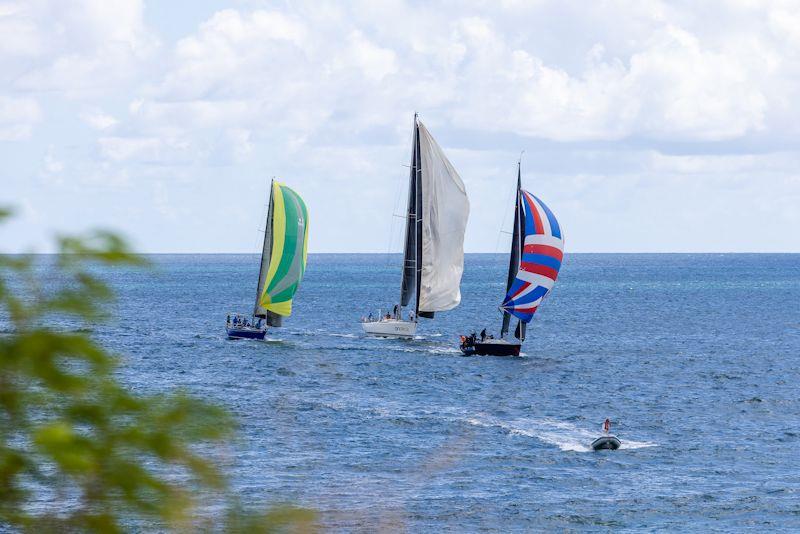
{"x": 540, "y": 261}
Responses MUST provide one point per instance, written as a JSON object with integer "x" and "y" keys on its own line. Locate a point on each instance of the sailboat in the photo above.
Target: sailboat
{"x": 433, "y": 253}
{"x": 537, "y": 249}
{"x": 283, "y": 263}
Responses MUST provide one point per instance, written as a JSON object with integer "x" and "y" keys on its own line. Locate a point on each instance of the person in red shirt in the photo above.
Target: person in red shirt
{"x": 606, "y": 425}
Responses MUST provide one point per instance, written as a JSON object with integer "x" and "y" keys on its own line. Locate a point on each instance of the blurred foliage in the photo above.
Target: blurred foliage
{"x": 78, "y": 450}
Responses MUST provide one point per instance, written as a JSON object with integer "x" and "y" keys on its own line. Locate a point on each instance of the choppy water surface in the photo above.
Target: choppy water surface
{"x": 696, "y": 359}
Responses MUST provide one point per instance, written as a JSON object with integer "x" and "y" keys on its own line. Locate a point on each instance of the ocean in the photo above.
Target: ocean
{"x": 695, "y": 358}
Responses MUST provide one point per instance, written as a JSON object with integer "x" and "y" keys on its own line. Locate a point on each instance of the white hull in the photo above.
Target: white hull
{"x": 390, "y": 328}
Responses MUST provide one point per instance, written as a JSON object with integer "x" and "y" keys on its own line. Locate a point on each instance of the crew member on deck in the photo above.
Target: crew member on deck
{"x": 483, "y": 334}
{"x": 607, "y": 425}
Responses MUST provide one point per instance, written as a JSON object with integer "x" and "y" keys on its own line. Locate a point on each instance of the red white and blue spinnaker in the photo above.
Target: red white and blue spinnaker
{"x": 542, "y": 253}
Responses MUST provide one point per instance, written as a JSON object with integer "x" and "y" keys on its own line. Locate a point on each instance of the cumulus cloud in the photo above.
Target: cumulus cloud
{"x": 624, "y": 107}
{"x": 78, "y": 48}
{"x": 292, "y": 69}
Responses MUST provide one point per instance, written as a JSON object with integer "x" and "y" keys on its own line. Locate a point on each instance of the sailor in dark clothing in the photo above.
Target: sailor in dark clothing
{"x": 483, "y": 334}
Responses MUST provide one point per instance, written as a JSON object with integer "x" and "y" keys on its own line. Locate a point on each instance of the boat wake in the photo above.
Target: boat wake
{"x": 562, "y": 434}
{"x": 566, "y": 436}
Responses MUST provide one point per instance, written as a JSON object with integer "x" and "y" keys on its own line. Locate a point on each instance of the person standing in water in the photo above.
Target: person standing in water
{"x": 607, "y": 425}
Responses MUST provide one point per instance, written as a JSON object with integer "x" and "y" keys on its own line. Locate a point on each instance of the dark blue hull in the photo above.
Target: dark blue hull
{"x": 490, "y": 348}
{"x": 245, "y": 333}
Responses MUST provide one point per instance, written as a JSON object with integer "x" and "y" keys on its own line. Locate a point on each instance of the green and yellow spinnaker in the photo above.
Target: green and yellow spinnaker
{"x": 283, "y": 260}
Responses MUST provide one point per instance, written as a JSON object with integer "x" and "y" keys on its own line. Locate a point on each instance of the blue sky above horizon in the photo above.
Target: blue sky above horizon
{"x": 647, "y": 126}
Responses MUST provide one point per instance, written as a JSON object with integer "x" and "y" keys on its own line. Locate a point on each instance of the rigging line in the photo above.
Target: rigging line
{"x": 505, "y": 215}
{"x": 259, "y": 239}
{"x": 391, "y": 223}
{"x": 398, "y": 193}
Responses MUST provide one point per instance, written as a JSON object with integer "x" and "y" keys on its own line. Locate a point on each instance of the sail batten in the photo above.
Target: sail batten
{"x": 284, "y": 255}
{"x": 538, "y": 263}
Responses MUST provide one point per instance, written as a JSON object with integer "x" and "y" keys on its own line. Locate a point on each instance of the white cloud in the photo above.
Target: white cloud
{"x": 374, "y": 62}
{"x": 288, "y": 70}
{"x": 18, "y": 117}
{"x": 625, "y": 108}
{"x": 99, "y": 120}
{"x": 79, "y": 49}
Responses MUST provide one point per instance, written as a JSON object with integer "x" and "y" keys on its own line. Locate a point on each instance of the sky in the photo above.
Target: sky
{"x": 646, "y": 126}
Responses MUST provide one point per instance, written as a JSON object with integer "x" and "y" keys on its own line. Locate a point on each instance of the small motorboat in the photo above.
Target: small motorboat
{"x": 610, "y": 443}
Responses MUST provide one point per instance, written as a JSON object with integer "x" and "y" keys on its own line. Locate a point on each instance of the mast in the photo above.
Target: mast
{"x": 516, "y": 251}
{"x": 266, "y": 252}
{"x": 410, "y": 280}
{"x": 418, "y": 222}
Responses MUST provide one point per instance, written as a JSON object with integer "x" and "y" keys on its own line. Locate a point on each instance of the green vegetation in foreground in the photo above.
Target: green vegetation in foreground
{"x": 78, "y": 450}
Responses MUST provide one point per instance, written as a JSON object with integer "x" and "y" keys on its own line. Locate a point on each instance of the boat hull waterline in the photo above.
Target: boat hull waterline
{"x": 246, "y": 333}
{"x": 390, "y": 328}
{"x": 493, "y": 347}
{"x": 610, "y": 443}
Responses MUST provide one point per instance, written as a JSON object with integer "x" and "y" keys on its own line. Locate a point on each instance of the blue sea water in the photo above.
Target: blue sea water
{"x": 694, "y": 357}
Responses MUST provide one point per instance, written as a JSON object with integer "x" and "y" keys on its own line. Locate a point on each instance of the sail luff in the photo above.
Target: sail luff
{"x": 266, "y": 252}
{"x": 418, "y": 221}
{"x": 408, "y": 283}
{"x": 513, "y": 262}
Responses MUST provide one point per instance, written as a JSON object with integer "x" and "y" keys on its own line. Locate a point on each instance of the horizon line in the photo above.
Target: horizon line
{"x": 399, "y": 253}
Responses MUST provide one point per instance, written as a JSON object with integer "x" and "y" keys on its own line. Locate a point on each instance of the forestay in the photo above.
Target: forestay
{"x": 283, "y": 259}
{"x": 542, "y": 253}
{"x": 445, "y": 209}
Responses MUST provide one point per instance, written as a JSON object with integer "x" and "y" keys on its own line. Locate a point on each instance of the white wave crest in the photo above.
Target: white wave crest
{"x": 564, "y": 435}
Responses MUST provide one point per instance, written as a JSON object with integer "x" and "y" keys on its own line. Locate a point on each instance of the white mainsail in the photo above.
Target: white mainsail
{"x": 445, "y": 209}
